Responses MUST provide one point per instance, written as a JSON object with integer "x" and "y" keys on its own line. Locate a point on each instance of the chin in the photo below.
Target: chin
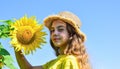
{"x": 57, "y": 45}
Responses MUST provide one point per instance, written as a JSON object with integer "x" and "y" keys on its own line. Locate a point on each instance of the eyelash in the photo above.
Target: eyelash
{"x": 60, "y": 30}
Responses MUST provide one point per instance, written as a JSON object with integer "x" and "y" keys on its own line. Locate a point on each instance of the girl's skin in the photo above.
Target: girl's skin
{"x": 59, "y": 36}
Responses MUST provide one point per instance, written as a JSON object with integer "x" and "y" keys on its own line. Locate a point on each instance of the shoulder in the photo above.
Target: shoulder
{"x": 70, "y": 59}
{"x": 70, "y": 62}
{"x": 62, "y": 62}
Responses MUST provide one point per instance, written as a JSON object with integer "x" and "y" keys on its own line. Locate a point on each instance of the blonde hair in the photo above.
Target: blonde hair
{"x": 75, "y": 47}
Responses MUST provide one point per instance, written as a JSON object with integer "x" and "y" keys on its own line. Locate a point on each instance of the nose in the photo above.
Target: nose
{"x": 55, "y": 32}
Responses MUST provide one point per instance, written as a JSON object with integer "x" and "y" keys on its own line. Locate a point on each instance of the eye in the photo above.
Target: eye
{"x": 52, "y": 30}
{"x": 60, "y": 30}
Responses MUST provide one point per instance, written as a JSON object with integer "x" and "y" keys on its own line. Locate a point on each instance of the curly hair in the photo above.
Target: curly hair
{"x": 75, "y": 47}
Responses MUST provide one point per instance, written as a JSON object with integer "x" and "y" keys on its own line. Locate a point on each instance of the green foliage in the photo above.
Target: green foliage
{"x": 5, "y": 28}
{"x": 8, "y": 62}
{"x": 5, "y": 56}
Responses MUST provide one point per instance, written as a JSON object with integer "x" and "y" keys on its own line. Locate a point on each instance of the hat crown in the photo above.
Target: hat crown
{"x": 71, "y": 16}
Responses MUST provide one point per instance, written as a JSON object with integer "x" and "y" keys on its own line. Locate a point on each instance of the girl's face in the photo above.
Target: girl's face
{"x": 59, "y": 33}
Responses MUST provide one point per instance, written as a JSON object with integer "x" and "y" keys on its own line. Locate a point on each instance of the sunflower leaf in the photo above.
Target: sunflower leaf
{"x": 1, "y": 45}
{"x": 8, "y": 61}
{"x": 4, "y": 31}
{"x": 6, "y": 58}
{"x": 8, "y": 22}
{"x": 4, "y": 52}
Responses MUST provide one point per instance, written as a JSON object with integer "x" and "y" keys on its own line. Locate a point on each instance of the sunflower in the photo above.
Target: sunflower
{"x": 27, "y": 34}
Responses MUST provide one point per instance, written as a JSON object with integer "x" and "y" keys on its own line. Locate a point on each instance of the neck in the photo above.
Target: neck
{"x": 62, "y": 50}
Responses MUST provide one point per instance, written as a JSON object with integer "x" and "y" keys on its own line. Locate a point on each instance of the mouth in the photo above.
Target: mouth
{"x": 56, "y": 39}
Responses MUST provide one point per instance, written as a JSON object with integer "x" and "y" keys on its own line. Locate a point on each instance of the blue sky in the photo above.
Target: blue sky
{"x": 100, "y": 22}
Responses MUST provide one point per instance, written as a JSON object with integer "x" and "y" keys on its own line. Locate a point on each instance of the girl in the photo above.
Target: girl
{"x": 68, "y": 42}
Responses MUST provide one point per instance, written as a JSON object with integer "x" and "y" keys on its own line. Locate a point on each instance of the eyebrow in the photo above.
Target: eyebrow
{"x": 60, "y": 26}
{"x": 57, "y": 27}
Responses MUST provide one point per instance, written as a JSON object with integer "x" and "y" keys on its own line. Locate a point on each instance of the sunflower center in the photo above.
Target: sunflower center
{"x": 25, "y": 35}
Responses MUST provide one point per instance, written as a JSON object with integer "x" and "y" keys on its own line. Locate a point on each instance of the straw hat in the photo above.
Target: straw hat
{"x": 68, "y": 17}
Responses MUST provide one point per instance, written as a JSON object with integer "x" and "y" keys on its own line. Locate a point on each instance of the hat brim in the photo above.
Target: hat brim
{"x": 48, "y": 21}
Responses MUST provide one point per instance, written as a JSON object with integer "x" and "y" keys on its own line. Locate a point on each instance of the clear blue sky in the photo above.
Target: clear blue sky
{"x": 100, "y": 22}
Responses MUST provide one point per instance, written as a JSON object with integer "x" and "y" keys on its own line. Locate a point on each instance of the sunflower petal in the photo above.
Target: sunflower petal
{"x": 27, "y": 34}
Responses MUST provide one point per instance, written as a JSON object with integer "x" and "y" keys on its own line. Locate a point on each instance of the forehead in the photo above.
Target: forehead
{"x": 56, "y": 23}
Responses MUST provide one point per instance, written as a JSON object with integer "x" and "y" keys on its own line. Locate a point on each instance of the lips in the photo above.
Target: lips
{"x": 56, "y": 39}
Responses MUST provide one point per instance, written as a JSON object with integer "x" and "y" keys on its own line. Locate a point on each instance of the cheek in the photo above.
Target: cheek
{"x": 65, "y": 36}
